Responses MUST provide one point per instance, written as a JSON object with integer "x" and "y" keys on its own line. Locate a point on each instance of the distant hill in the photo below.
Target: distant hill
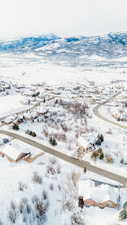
{"x": 72, "y": 50}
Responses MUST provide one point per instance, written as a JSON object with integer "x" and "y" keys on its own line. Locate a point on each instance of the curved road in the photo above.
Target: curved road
{"x": 83, "y": 164}
{"x": 98, "y": 114}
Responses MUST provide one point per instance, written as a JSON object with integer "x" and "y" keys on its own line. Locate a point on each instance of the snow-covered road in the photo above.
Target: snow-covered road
{"x": 83, "y": 164}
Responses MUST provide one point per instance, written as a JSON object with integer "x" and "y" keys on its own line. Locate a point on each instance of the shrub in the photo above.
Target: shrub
{"x": 25, "y": 210}
{"x": 95, "y": 155}
{"x": 40, "y": 204}
{"x": 109, "y": 159}
{"x": 58, "y": 169}
{"x": 35, "y": 199}
{"x": 52, "y": 141}
{"x": 40, "y": 207}
{"x": 46, "y": 133}
{"x": 13, "y": 205}
{"x": 33, "y": 134}
{"x": 21, "y": 186}
{"x": 15, "y": 127}
{"x": 28, "y": 208}
{"x": 44, "y": 195}
{"x": 75, "y": 176}
{"x": 22, "y": 205}
{"x": 100, "y": 150}
{"x": 68, "y": 205}
{"x": 76, "y": 219}
{"x": 36, "y": 178}
{"x": 12, "y": 215}
{"x": 29, "y": 213}
{"x": 59, "y": 187}
{"x": 123, "y": 214}
{"x": 78, "y": 108}
{"x": 101, "y": 157}
{"x": 51, "y": 170}
{"x": 98, "y": 154}
{"x": 100, "y": 139}
{"x": 125, "y": 205}
{"x": 51, "y": 187}
{"x": 64, "y": 127}
{"x": 24, "y": 219}
{"x": 61, "y": 137}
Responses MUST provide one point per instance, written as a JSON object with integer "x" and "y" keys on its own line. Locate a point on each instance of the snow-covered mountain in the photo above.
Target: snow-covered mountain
{"x": 111, "y": 45}
{"x": 100, "y": 51}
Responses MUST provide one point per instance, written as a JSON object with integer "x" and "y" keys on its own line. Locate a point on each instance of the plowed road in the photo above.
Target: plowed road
{"x": 83, "y": 164}
{"x": 100, "y": 116}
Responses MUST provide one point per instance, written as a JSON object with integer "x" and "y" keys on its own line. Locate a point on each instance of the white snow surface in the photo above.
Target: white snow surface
{"x": 11, "y": 174}
{"x": 11, "y": 104}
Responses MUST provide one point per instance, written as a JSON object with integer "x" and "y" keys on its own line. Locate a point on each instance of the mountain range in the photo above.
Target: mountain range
{"x": 74, "y": 50}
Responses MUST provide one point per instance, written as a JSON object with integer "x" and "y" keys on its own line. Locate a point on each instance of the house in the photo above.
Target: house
{"x": 9, "y": 119}
{"x": 93, "y": 203}
{"x": 91, "y": 195}
{"x": 88, "y": 143}
{"x": 13, "y": 154}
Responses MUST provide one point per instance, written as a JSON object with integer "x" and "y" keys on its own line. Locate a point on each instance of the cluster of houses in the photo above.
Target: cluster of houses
{"x": 119, "y": 109}
{"x": 4, "y": 88}
{"x": 120, "y": 114}
{"x": 98, "y": 94}
{"x": 54, "y": 114}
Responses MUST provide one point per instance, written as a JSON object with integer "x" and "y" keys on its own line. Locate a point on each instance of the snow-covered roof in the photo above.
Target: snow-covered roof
{"x": 11, "y": 152}
{"x": 42, "y": 110}
{"x": 27, "y": 114}
{"x": 88, "y": 190}
{"x": 87, "y": 139}
{"x": 10, "y": 119}
{"x": 82, "y": 142}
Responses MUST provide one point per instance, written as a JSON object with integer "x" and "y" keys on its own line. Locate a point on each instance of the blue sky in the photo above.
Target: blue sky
{"x": 63, "y": 17}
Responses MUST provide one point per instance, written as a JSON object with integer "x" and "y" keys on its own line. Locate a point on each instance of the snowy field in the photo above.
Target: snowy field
{"x": 33, "y": 72}
{"x": 11, "y": 104}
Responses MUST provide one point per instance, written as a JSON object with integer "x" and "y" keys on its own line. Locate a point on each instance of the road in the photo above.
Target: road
{"x": 98, "y": 114}
{"x": 82, "y": 164}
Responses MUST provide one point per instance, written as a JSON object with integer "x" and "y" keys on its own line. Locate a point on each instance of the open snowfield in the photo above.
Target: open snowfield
{"x": 25, "y": 71}
{"x": 11, "y": 104}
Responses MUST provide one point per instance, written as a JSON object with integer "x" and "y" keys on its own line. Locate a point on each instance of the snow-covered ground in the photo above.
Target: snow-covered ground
{"x": 11, "y": 104}
{"x": 19, "y": 69}
{"x": 26, "y": 183}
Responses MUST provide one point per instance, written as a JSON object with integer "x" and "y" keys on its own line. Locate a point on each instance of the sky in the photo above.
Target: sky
{"x": 62, "y": 17}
